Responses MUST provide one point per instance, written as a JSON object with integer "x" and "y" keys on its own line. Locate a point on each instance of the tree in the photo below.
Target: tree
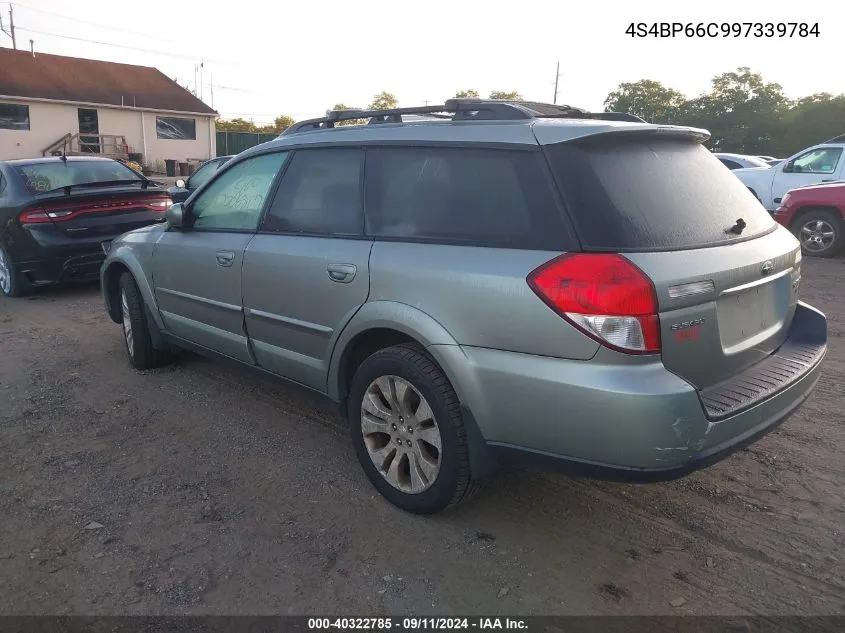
{"x": 384, "y": 101}
{"x": 469, "y": 93}
{"x": 235, "y": 125}
{"x": 810, "y": 121}
{"x": 646, "y": 98}
{"x": 745, "y": 112}
{"x": 279, "y": 125}
{"x": 506, "y": 96}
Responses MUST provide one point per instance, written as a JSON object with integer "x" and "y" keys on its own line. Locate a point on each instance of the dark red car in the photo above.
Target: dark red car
{"x": 816, "y": 216}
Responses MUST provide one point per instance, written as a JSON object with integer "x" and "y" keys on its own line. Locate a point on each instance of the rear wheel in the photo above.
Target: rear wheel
{"x": 136, "y": 330}
{"x": 11, "y": 285}
{"x": 408, "y": 430}
{"x": 820, "y": 233}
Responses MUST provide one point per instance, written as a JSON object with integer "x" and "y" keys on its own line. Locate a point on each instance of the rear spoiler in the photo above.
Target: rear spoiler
{"x": 657, "y": 131}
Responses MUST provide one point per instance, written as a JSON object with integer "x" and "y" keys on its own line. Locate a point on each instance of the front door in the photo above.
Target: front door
{"x": 89, "y": 131}
{"x": 197, "y": 269}
{"x": 819, "y": 164}
{"x": 306, "y": 272}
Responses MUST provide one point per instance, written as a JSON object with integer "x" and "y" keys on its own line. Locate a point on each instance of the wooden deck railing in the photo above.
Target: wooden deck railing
{"x": 109, "y": 145}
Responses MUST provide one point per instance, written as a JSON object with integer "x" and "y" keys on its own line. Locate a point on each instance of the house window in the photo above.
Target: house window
{"x": 14, "y": 116}
{"x": 176, "y": 129}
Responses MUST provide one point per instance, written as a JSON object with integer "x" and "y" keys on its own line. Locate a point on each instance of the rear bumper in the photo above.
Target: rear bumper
{"x": 617, "y": 418}
{"x": 83, "y": 266}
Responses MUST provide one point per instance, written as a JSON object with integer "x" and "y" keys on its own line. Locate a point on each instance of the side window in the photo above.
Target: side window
{"x": 730, "y": 164}
{"x": 2, "y": 183}
{"x": 203, "y": 174}
{"x": 490, "y": 197}
{"x": 822, "y": 160}
{"x": 234, "y": 201}
{"x": 320, "y": 193}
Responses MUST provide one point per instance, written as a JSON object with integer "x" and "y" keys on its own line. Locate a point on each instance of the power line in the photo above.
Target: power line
{"x": 131, "y": 48}
{"x": 104, "y": 26}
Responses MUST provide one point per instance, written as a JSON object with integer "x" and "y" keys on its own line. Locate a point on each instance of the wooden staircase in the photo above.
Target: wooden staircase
{"x": 107, "y": 145}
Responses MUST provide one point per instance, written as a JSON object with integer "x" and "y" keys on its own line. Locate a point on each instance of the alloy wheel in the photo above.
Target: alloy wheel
{"x": 401, "y": 434}
{"x": 817, "y": 236}
{"x": 5, "y": 274}
{"x": 127, "y": 323}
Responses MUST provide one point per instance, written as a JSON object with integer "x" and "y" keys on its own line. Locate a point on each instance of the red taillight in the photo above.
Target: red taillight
{"x": 603, "y": 295}
{"x": 57, "y": 212}
{"x": 34, "y": 216}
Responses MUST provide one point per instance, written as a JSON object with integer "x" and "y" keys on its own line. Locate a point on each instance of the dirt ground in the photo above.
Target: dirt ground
{"x": 201, "y": 488}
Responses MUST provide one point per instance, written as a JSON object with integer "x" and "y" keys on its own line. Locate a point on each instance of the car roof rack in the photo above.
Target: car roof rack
{"x": 461, "y": 110}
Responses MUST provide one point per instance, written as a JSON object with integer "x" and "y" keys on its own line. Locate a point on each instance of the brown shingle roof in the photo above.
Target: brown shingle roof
{"x": 92, "y": 81}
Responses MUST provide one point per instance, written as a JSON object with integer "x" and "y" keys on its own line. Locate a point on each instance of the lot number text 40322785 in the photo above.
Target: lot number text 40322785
{"x": 723, "y": 29}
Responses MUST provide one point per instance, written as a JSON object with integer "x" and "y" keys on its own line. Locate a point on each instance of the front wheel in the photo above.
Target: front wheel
{"x": 136, "y": 330}
{"x": 820, "y": 233}
{"x": 408, "y": 431}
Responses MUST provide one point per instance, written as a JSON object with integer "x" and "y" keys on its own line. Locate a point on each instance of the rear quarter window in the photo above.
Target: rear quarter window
{"x": 652, "y": 194}
{"x": 488, "y": 197}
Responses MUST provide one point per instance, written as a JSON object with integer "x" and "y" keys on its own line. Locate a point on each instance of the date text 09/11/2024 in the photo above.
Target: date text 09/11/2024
{"x": 723, "y": 29}
{"x": 417, "y": 624}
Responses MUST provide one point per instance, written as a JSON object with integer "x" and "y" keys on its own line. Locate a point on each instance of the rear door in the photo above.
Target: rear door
{"x": 306, "y": 273}
{"x": 197, "y": 269}
{"x": 725, "y": 273}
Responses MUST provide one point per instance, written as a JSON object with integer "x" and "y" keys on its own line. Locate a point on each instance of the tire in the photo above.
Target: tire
{"x": 136, "y": 331}
{"x": 821, "y": 233}
{"x": 11, "y": 284}
{"x": 419, "y": 487}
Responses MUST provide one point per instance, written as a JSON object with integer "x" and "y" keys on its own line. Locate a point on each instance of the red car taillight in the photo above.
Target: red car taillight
{"x": 64, "y": 211}
{"x": 603, "y": 295}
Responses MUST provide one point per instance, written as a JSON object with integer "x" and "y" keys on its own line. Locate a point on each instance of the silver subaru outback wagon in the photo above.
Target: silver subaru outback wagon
{"x": 489, "y": 283}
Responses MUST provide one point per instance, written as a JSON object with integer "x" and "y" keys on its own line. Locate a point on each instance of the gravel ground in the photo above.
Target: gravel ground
{"x": 202, "y": 489}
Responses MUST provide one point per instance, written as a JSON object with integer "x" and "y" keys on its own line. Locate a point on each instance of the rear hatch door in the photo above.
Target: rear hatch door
{"x": 726, "y": 275}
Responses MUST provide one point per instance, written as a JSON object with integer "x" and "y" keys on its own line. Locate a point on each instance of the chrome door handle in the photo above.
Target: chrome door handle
{"x": 342, "y": 273}
{"x": 225, "y": 258}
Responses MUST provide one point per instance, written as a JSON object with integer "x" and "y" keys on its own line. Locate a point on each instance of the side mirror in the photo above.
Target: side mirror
{"x": 175, "y": 216}
{"x": 180, "y": 183}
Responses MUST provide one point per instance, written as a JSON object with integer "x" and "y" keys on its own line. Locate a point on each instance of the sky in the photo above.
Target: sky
{"x": 294, "y": 57}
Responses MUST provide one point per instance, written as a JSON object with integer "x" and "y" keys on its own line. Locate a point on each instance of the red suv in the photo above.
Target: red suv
{"x": 816, "y": 215}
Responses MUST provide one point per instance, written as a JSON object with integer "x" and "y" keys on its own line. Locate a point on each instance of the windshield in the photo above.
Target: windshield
{"x": 650, "y": 194}
{"x": 41, "y": 177}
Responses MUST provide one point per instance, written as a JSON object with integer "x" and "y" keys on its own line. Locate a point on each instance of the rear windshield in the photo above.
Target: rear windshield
{"x": 41, "y": 177}
{"x": 652, "y": 194}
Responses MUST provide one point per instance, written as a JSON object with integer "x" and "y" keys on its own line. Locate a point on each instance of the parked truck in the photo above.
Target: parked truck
{"x": 814, "y": 165}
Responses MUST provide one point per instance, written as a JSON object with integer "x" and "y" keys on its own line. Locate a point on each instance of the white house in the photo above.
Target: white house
{"x": 51, "y": 104}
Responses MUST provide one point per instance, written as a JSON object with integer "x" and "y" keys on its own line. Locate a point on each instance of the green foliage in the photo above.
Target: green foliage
{"x": 469, "y": 93}
{"x": 743, "y": 113}
{"x": 647, "y": 99}
{"x": 506, "y": 96}
{"x": 279, "y": 125}
{"x": 384, "y": 101}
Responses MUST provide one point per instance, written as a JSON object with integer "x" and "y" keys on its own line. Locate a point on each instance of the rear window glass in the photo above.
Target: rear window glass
{"x": 650, "y": 194}
{"x": 488, "y": 197}
{"x": 41, "y": 177}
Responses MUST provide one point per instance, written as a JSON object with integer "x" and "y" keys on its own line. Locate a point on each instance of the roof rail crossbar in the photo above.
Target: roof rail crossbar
{"x": 460, "y": 109}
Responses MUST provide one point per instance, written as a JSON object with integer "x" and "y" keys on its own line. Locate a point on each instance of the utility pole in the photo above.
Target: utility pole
{"x": 11, "y": 31}
{"x": 557, "y": 76}
{"x": 202, "y": 64}
{"x": 211, "y": 88}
